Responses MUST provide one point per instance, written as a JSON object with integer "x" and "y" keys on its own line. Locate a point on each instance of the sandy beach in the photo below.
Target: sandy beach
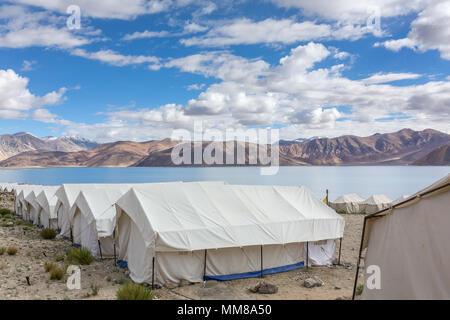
{"x": 34, "y": 252}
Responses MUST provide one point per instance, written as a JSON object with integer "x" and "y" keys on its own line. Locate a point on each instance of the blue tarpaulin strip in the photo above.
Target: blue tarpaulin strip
{"x": 255, "y": 274}
{"x": 122, "y": 264}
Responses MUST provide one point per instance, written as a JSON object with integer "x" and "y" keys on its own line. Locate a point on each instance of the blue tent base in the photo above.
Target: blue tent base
{"x": 122, "y": 264}
{"x": 76, "y": 245}
{"x": 256, "y": 274}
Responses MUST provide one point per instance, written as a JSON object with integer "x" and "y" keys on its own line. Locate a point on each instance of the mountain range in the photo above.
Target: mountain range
{"x": 405, "y": 147}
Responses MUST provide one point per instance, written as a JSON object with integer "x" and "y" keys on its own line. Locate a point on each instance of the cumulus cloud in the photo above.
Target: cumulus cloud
{"x": 116, "y": 59}
{"x": 390, "y": 77}
{"x": 429, "y": 31}
{"x": 16, "y": 99}
{"x": 285, "y": 31}
{"x": 22, "y": 28}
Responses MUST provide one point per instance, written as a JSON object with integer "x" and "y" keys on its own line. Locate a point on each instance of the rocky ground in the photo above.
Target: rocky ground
{"x": 33, "y": 252}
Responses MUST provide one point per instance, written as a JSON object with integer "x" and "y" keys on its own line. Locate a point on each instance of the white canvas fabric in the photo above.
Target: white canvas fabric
{"x": 375, "y": 203}
{"x": 66, "y": 196}
{"x": 23, "y": 205}
{"x": 47, "y": 201}
{"x": 168, "y": 221}
{"x": 410, "y": 246}
{"x": 400, "y": 199}
{"x": 93, "y": 217}
{"x": 7, "y": 187}
{"x": 33, "y": 205}
{"x": 349, "y": 203}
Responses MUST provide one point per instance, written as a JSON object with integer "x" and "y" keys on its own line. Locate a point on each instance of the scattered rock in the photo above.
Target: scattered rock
{"x": 312, "y": 282}
{"x": 170, "y": 285}
{"x": 10, "y": 224}
{"x": 264, "y": 288}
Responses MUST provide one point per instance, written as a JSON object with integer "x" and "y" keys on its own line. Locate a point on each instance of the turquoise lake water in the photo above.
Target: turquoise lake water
{"x": 392, "y": 181}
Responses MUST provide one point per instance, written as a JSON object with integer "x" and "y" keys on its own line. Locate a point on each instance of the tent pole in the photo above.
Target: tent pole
{"x": 359, "y": 258}
{"x": 114, "y": 236}
{"x": 153, "y": 273}
{"x": 307, "y": 255}
{"x": 340, "y": 250}
{"x": 327, "y": 198}
{"x": 262, "y": 263}
{"x": 204, "y": 267}
{"x": 100, "y": 248}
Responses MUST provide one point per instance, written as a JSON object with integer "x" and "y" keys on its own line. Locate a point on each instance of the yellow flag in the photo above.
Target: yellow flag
{"x": 325, "y": 200}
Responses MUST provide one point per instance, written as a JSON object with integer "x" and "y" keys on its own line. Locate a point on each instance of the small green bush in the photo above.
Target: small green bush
{"x": 59, "y": 258}
{"x": 4, "y": 212}
{"x": 133, "y": 291}
{"x": 48, "y": 234}
{"x": 2, "y": 251}
{"x": 8, "y": 216}
{"x": 95, "y": 289}
{"x": 49, "y": 266}
{"x": 12, "y": 250}
{"x": 80, "y": 255}
{"x": 359, "y": 289}
{"x": 27, "y": 224}
{"x": 56, "y": 273}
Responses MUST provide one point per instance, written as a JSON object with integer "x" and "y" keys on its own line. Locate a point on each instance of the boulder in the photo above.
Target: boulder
{"x": 312, "y": 282}
{"x": 264, "y": 288}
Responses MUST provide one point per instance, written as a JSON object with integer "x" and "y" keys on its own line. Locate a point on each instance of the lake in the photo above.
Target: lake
{"x": 392, "y": 181}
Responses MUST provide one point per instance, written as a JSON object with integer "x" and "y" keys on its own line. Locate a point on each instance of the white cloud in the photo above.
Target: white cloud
{"x": 22, "y": 28}
{"x": 146, "y": 35}
{"x": 353, "y": 12}
{"x": 16, "y": 99}
{"x": 117, "y": 59}
{"x": 286, "y": 31}
{"x": 429, "y": 31}
{"x": 195, "y": 86}
{"x": 390, "y": 77}
{"x": 115, "y": 9}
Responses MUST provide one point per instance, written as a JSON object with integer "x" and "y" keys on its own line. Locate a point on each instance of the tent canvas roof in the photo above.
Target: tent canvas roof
{"x": 194, "y": 216}
{"x": 377, "y": 199}
{"x": 349, "y": 198}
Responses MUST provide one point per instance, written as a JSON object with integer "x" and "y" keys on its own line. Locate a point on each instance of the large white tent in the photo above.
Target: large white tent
{"x": 47, "y": 200}
{"x": 409, "y": 244}
{"x": 92, "y": 217}
{"x": 375, "y": 203}
{"x": 189, "y": 231}
{"x": 66, "y": 195}
{"x": 349, "y": 203}
{"x": 33, "y": 205}
{"x": 23, "y": 205}
{"x": 7, "y": 187}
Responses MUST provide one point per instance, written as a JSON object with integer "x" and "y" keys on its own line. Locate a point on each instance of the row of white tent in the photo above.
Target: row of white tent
{"x": 354, "y": 203}
{"x": 169, "y": 232}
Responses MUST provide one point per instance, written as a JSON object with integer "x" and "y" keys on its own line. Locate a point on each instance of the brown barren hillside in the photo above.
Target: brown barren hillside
{"x": 400, "y": 148}
{"x": 438, "y": 157}
{"x": 117, "y": 154}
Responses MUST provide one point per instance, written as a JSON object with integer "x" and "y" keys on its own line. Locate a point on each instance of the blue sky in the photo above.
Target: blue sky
{"x": 139, "y": 69}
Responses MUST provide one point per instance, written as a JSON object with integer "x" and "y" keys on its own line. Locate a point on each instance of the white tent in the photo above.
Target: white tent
{"x": 33, "y": 206}
{"x": 7, "y": 187}
{"x": 400, "y": 199}
{"x": 375, "y": 203}
{"x": 226, "y": 230}
{"x": 66, "y": 195}
{"x": 23, "y": 205}
{"x": 17, "y": 202}
{"x": 409, "y": 244}
{"x": 349, "y": 203}
{"x": 93, "y": 217}
{"x": 47, "y": 201}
